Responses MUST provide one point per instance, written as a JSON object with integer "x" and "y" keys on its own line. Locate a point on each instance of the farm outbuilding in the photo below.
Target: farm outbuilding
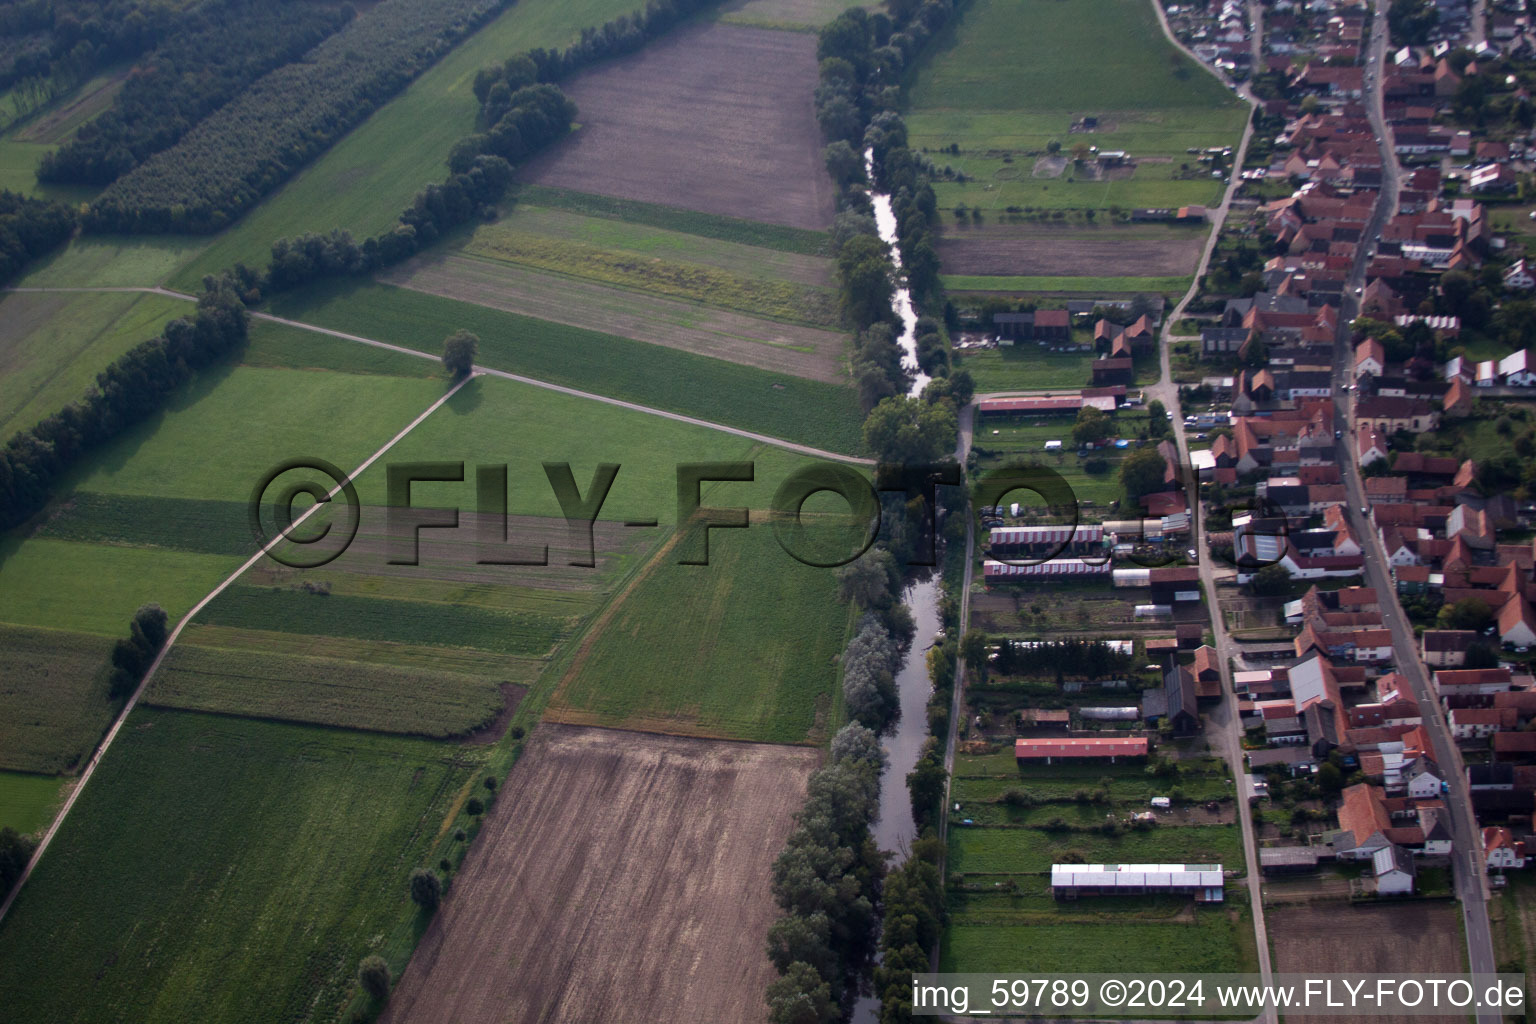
{"x": 1054, "y": 568}
{"x": 1108, "y": 748}
{"x": 1202, "y": 881}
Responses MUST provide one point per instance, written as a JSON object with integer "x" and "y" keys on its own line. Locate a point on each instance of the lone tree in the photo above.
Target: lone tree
{"x": 1142, "y": 472}
{"x": 426, "y": 889}
{"x": 459, "y": 351}
{"x": 373, "y": 975}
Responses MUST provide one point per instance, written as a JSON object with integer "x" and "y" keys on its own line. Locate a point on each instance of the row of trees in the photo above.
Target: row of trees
{"x": 215, "y": 52}
{"x": 247, "y": 148}
{"x": 133, "y": 387}
{"x": 914, "y": 920}
{"x": 30, "y": 228}
{"x": 827, "y": 881}
{"x": 1078, "y": 658}
{"x": 132, "y": 656}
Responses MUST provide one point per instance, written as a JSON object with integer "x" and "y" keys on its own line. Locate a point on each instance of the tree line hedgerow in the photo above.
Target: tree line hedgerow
{"x": 214, "y": 53}
{"x": 250, "y": 146}
{"x": 28, "y": 229}
{"x": 132, "y": 388}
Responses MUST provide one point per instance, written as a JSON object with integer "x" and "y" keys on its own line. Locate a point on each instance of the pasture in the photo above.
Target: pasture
{"x": 792, "y": 15}
{"x": 95, "y": 588}
{"x": 742, "y": 648}
{"x": 325, "y": 690}
{"x": 496, "y": 421}
{"x": 295, "y": 413}
{"x": 364, "y": 181}
{"x": 28, "y": 802}
{"x": 225, "y": 870}
{"x": 1078, "y": 286}
{"x": 609, "y": 860}
{"x": 712, "y": 117}
{"x": 114, "y": 261}
{"x": 52, "y": 346}
{"x": 1006, "y": 78}
{"x": 792, "y": 408}
{"x": 997, "y": 442}
{"x": 815, "y": 353}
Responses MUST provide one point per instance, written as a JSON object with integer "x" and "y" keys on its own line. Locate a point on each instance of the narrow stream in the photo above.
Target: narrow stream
{"x": 885, "y": 223}
{"x": 894, "y": 829}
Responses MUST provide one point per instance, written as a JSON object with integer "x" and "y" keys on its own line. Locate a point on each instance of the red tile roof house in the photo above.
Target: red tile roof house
{"x": 1363, "y": 823}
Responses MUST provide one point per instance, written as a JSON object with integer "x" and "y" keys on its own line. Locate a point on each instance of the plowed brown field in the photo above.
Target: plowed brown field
{"x": 620, "y": 876}
{"x": 714, "y": 117}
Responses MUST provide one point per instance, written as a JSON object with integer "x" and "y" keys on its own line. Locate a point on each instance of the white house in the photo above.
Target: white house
{"x": 1423, "y": 778}
{"x": 1487, "y": 373}
{"x": 1500, "y": 849}
{"x": 1518, "y": 369}
{"x": 1437, "y": 835}
{"x": 1394, "y": 870}
{"x": 1474, "y": 723}
{"x": 1519, "y": 277}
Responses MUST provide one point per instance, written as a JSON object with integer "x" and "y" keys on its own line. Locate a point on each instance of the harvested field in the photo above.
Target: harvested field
{"x": 1339, "y": 938}
{"x": 713, "y": 117}
{"x": 785, "y": 348}
{"x": 1010, "y": 251}
{"x": 618, "y": 877}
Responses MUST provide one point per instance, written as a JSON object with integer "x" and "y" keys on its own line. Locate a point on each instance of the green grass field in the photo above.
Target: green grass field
{"x": 52, "y": 346}
{"x": 977, "y": 850}
{"x": 28, "y": 802}
{"x": 810, "y": 412}
{"x": 1009, "y": 76}
{"x": 1026, "y": 366}
{"x": 53, "y": 699}
{"x": 115, "y": 261}
{"x": 95, "y": 588}
{"x": 255, "y": 418}
{"x": 224, "y": 870}
{"x": 497, "y": 421}
{"x": 742, "y": 648}
{"x": 984, "y": 936}
{"x": 292, "y": 348}
{"x": 366, "y": 180}
{"x": 325, "y": 691}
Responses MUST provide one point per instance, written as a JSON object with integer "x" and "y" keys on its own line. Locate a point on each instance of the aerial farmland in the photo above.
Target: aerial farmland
{"x": 500, "y": 512}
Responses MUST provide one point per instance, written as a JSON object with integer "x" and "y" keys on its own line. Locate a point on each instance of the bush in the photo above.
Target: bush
{"x": 474, "y": 806}
{"x": 444, "y": 866}
{"x": 490, "y": 783}
{"x": 426, "y": 889}
{"x": 460, "y": 835}
{"x": 517, "y": 732}
{"x": 373, "y": 975}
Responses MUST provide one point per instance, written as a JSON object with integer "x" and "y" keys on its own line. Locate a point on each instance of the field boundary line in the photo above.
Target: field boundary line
{"x": 777, "y": 442}
{"x": 133, "y": 699}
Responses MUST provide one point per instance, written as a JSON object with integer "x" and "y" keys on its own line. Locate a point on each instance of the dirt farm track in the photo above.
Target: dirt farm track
{"x": 620, "y": 876}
